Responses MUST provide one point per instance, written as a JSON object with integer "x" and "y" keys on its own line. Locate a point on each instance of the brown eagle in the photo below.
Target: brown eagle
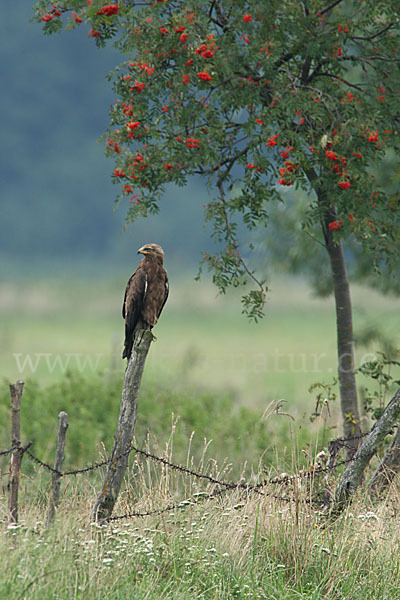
{"x": 145, "y": 295}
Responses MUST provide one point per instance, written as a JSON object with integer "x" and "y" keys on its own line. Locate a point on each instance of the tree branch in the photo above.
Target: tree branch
{"x": 323, "y": 74}
{"x": 221, "y": 20}
{"x": 371, "y": 37}
{"x": 329, "y": 7}
{"x": 230, "y": 236}
{"x": 305, "y": 8}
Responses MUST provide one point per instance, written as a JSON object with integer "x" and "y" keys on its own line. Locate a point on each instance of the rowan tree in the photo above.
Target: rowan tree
{"x": 257, "y": 97}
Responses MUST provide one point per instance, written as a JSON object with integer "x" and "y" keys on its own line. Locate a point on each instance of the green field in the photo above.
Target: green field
{"x": 203, "y": 339}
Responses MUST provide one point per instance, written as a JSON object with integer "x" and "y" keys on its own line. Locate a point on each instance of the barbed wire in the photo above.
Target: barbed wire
{"x": 309, "y": 494}
{"x": 196, "y": 498}
{"x": 164, "y": 461}
{"x": 43, "y": 464}
{"x": 352, "y": 437}
{"x": 308, "y": 474}
{"x": 224, "y": 486}
{"x": 18, "y": 448}
{"x": 193, "y": 500}
{"x": 5, "y": 452}
{"x": 243, "y": 485}
{"x": 91, "y": 467}
{"x": 157, "y": 511}
{"x": 338, "y": 441}
{"x": 186, "y": 470}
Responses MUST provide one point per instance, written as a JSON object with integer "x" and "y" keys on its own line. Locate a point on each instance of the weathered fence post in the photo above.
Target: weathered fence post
{"x": 108, "y": 495}
{"x": 353, "y": 475}
{"x": 16, "y": 454}
{"x": 58, "y": 463}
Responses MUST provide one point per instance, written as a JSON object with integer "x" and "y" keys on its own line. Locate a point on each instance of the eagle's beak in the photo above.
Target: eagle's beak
{"x": 142, "y": 251}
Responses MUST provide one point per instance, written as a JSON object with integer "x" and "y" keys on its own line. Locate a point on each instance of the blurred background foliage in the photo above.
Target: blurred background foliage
{"x": 57, "y": 196}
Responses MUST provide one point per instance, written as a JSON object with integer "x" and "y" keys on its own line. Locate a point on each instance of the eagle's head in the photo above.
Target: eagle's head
{"x": 153, "y": 251}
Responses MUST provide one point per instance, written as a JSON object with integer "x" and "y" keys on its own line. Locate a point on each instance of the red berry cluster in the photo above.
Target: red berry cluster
{"x": 55, "y": 12}
{"x": 109, "y": 10}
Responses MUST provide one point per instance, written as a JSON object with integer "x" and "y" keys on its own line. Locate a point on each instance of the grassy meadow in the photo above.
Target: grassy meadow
{"x": 234, "y": 546}
{"x": 221, "y": 396}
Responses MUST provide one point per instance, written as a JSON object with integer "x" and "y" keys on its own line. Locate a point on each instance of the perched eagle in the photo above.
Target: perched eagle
{"x": 145, "y": 295}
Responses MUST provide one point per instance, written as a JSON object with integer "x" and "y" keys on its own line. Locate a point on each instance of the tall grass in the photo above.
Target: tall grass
{"x": 234, "y": 545}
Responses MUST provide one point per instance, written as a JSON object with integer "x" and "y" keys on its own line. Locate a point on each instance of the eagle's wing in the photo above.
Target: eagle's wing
{"x": 166, "y": 292}
{"x": 124, "y": 302}
{"x": 135, "y": 293}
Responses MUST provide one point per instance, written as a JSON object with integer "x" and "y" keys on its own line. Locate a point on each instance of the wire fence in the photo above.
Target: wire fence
{"x": 260, "y": 489}
{"x": 5, "y": 452}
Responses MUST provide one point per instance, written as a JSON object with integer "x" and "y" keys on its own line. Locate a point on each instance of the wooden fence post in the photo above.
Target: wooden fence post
{"x": 58, "y": 463}
{"x": 16, "y": 454}
{"x": 108, "y": 495}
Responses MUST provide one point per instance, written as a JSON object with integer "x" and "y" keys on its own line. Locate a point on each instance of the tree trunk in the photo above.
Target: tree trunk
{"x": 108, "y": 495}
{"x": 354, "y": 473}
{"x": 386, "y": 470}
{"x": 345, "y": 346}
{"x": 344, "y": 323}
